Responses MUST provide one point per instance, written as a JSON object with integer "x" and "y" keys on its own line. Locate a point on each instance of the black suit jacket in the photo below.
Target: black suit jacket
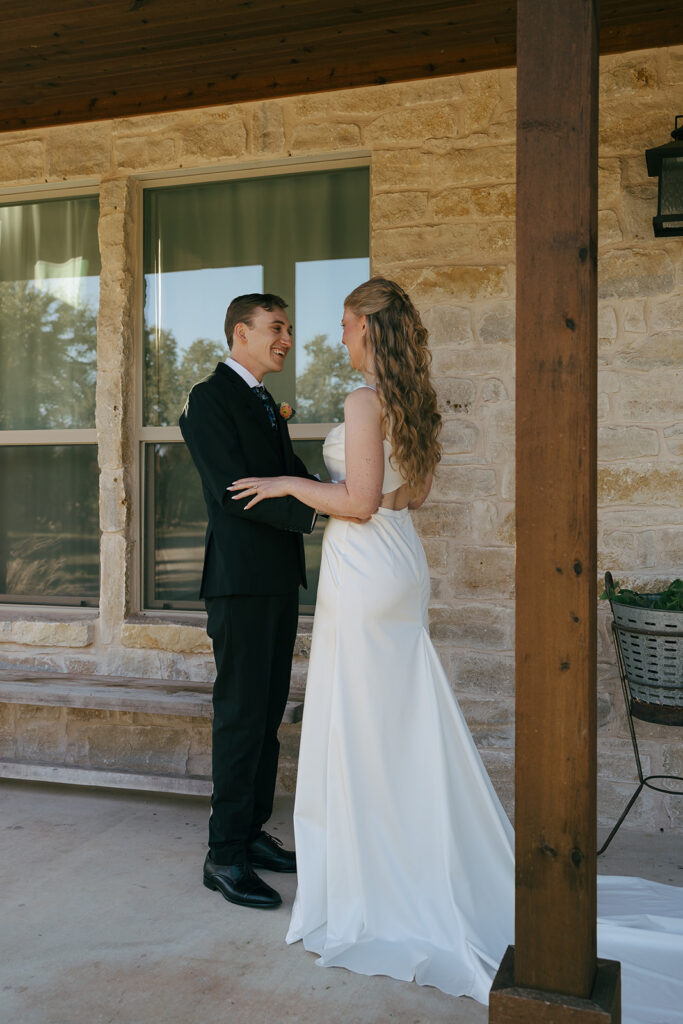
{"x": 229, "y": 436}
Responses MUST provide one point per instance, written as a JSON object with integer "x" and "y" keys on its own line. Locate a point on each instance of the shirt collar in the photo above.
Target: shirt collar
{"x": 246, "y": 375}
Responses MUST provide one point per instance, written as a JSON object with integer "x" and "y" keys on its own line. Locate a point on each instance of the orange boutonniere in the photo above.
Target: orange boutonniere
{"x": 286, "y": 410}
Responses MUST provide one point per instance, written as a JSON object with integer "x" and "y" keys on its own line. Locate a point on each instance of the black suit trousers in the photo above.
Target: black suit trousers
{"x": 253, "y": 640}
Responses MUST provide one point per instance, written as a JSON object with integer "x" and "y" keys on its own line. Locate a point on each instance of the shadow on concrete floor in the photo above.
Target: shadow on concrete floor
{"x": 105, "y": 921}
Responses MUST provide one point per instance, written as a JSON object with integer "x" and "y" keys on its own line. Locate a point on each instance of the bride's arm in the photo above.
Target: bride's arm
{"x": 358, "y": 496}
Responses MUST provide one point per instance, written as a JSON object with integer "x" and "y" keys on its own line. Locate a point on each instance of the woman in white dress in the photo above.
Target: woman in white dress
{"x": 404, "y": 853}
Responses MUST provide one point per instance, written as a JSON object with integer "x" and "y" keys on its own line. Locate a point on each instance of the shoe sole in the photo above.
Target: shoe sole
{"x": 238, "y": 900}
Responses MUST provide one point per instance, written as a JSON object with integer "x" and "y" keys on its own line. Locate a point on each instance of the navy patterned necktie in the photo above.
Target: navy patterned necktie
{"x": 260, "y": 392}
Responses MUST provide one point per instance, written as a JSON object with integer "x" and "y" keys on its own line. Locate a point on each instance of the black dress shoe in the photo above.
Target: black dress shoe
{"x": 266, "y": 852}
{"x": 239, "y": 884}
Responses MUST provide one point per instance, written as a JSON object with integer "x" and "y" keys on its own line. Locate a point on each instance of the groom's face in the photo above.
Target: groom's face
{"x": 262, "y": 346}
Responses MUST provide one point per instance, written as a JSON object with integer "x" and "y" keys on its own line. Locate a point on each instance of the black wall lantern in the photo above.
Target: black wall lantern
{"x": 666, "y": 163}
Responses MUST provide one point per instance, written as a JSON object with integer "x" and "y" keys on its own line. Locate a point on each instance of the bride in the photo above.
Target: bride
{"x": 404, "y": 852}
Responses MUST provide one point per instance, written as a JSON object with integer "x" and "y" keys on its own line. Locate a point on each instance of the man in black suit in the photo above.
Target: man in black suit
{"x": 253, "y": 565}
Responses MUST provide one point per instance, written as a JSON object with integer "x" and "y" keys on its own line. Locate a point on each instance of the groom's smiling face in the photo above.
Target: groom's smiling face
{"x": 262, "y": 345}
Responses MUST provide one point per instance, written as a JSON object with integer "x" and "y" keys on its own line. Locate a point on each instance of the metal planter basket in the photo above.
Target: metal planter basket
{"x": 649, "y": 647}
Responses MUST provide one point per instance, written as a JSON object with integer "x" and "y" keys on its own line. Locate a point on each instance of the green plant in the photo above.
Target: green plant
{"x": 670, "y": 599}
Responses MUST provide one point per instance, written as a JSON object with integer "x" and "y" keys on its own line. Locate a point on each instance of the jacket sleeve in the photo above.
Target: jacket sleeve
{"x": 213, "y": 442}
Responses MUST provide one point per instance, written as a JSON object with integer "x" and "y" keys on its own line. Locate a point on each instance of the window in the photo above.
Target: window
{"x": 49, "y": 293}
{"x": 304, "y": 236}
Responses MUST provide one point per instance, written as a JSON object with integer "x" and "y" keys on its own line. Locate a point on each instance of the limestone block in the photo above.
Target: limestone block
{"x": 633, "y": 316}
{"x": 39, "y": 633}
{"x": 626, "y": 442}
{"x": 436, "y": 550}
{"x": 485, "y": 572}
{"x": 83, "y": 149}
{"x": 673, "y": 439}
{"x": 5, "y": 631}
{"x": 212, "y": 136}
{"x": 496, "y": 240}
{"x": 461, "y": 483}
{"x": 22, "y": 161}
{"x": 105, "y": 740}
{"x": 618, "y": 763}
{"x": 113, "y": 571}
{"x": 166, "y": 637}
{"x": 634, "y": 169}
{"x": 639, "y": 205}
{"x": 493, "y": 390}
{"x": 651, "y": 484}
{"x": 625, "y": 73}
{"x": 430, "y": 91}
{"x": 448, "y": 325}
{"x": 476, "y": 672}
{"x": 655, "y": 397}
{"x": 458, "y": 438}
{"x": 493, "y": 522}
{"x": 482, "y": 626}
{"x": 477, "y": 361}
{"x": 325, "y": 136}
{"x": 413, "y": 125}
{"x": 497, "y": 322}
{"x": 609, "y": 181}
{"x": 485, "y": 201}
{"x": 411, "y": 168}
{"x": 451, "y": 520}
{"x": 113, "y": 501}
{"x": 110, "y": 399}
{"x": 421, "y": 243}
{"x": 482, "y": 95}
{"x": 111, "y": 231}
{"x": 267, "y": 128}
{"x": 507, "y": 490}
{"x": 487, "y": 712}
{"x": 454, "y": 396}
{"x": 665, "y": 314}
{"x": 609, "y": 229}
{"x": 8, "y": 731}
{"x": 634, "y": 272}
{"x": 613, "y": 797}
{"x": 500, "y": 433}
{"x": 607, "y": 321}
{"x": 618, "y": 548}
{"x": 669, "y": 548}
{"x": 391, "y": 208}
{"x": 367, "y": 100}
{"x": 462, "y": 283}
{"x": 633, "y": 121}
{"x": 41, "y": 733}
{"x": 144, "y": 152}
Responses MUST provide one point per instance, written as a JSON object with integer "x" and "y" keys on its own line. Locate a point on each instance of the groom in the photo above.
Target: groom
{"x": 253, "y": 565}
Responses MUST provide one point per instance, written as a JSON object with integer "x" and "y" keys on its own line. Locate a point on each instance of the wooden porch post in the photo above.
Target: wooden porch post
{"x": 556, "y": 395}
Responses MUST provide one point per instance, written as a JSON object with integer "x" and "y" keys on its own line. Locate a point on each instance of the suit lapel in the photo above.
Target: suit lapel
{"x": 250, "y": 406}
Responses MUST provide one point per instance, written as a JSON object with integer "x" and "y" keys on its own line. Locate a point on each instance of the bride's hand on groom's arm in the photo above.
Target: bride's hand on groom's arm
{"x": 257, "y": 488}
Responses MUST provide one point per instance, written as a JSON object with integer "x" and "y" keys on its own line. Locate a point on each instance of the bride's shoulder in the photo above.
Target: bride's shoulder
{"x": 362, "y": 399}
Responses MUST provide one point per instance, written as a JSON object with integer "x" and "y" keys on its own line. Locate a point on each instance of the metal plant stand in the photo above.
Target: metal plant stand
{"x": 649, "y": 646}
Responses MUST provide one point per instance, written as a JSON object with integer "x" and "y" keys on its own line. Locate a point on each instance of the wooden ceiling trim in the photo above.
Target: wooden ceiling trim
{"x": 119, "y": 58}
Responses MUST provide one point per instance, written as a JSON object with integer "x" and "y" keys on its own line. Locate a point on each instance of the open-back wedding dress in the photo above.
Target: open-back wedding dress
{"x": 405, "y": 854}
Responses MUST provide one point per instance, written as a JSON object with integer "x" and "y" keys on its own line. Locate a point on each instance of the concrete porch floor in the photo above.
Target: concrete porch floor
{"x": 105, "y": 921}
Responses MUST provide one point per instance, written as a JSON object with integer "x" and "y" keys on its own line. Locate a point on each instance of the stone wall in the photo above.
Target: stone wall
{"x": 442, "y": 162}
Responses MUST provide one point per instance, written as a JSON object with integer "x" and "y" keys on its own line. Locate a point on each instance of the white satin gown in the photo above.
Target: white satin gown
{"x": 404, "y": 852}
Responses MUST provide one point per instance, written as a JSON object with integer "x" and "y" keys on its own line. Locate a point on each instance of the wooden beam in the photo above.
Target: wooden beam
{"x": 556, "y": 502}
{"x": 67, "y": 61}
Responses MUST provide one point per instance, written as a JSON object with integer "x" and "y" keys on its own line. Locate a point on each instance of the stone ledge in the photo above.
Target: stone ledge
{"x": 45, "y": 633}
{"x": 116, "y": 693}
{"x": 187, "y": 785}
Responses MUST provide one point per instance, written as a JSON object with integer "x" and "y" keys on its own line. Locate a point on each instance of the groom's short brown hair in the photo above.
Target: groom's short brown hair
{"x": 242, "y": 309}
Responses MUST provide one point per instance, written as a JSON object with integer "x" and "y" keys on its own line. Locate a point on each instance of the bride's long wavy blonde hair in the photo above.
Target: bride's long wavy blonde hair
{"x": 397, "y": 339}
